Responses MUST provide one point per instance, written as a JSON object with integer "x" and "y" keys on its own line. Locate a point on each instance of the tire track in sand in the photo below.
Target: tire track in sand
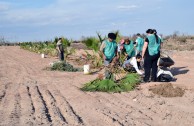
{"x": 11, "y": 106}
{"x": 61, "y": 108}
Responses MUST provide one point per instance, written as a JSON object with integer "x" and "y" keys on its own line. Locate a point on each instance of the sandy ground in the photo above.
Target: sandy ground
{"x": 30, "y": 96}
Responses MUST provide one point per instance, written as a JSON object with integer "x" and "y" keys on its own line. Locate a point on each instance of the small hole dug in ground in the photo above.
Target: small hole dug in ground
{"x": 167, "y": 90}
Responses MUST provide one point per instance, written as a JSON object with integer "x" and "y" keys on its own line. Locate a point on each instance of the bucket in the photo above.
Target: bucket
{"x": 86, "y": 69}
{"x": 42, "y": 55}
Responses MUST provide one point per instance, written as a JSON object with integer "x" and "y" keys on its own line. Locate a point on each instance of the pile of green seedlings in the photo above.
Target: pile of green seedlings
{"x": 127, "y": 83}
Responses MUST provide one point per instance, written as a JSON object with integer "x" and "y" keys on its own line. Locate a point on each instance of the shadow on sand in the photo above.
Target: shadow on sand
{"x": 179, "y": 70}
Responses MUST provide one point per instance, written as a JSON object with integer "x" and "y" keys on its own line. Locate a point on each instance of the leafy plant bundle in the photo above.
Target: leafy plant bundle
{"x": 126, "y": 84}
{"x": 63, "y": 66}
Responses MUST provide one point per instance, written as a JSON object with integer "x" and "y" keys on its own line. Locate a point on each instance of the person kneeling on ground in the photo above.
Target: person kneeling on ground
{"x": 133, "y": 63}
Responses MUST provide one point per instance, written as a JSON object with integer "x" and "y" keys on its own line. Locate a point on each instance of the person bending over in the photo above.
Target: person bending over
{"x": 109, "y": 49}
{"x": 132, "y": 63}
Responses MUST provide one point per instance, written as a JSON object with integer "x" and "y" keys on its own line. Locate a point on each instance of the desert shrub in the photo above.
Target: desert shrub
{"x": 46, "y": 47}
{"x": 94, "y": 59}
{"x": 191, "y": 48}
{"x": 126, "y": 84}
{"x": 40, "y": 47}
{"x": 92, "y": 43}
{"x": 192, "y": 37}
{"x": 181, "y": 39}
{"x": 63, "y": 66}
{"x": 65, "y": 41}
{"x": 69, "y": 51}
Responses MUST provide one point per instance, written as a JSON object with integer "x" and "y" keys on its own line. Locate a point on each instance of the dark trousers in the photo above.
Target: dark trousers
{"x": 150, "y": 66}
{"x": 61, "y": 55}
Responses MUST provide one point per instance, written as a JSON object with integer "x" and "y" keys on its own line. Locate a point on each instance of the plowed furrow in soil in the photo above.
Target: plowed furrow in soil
{"x": 88, "y": 108}
{"x": 2, "y": 93}
{"x": 14, "y": 115}
{"x": 66, "y": 109}
{"x": 11, "y": 106}
{"x": 27, "y": 107}
{"x": 55, "y": 112}
{"x": 16, "y": 112}
{"x": 41, "y": 114}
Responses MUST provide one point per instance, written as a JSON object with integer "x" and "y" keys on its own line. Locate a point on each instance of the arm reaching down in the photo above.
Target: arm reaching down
{"x": 134, "y": 63}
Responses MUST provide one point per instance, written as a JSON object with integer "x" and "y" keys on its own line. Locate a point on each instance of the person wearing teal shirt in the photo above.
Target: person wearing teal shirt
{"x": 162, "y": 40}
{"x": 151, "y": 54}
{"x": 129, "y": 50}
{"x": 109, "y": 49}
{"x": 140, "y": 42}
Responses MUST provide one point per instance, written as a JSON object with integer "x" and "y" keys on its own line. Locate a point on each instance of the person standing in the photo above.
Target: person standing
{"x": 60, "y": 49}
{"x": 155, "y": 33}
{"x": 140, "y": 42}
{"x": 109, "y": 49}
{"x": 151, "y": 54}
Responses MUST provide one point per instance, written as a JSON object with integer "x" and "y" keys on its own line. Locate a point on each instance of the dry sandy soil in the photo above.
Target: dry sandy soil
{"x": 30, "y": 95}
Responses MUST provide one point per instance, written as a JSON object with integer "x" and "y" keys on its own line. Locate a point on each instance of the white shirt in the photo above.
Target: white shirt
{"x": 132, "y": 61}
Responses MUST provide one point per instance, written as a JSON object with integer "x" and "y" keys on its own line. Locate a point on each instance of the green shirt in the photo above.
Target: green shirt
{"x": 109, "y": 49}
{"x": 130, "y": 49}
{"x": 153, "y": 46}
{"x": 140, "y": 42}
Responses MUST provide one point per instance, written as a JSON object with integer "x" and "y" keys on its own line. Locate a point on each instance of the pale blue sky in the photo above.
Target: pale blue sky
{"x": 41, "y": 20}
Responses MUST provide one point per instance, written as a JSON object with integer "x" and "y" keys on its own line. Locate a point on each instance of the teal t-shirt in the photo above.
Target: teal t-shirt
{"x": 153, "y": 46}
{"x": 130, "y": 49}
{"x": 110, "y": 49}
{"x": 140, "y": 42}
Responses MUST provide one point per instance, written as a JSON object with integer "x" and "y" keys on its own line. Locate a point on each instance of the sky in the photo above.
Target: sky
{"x": 42, "y": 20}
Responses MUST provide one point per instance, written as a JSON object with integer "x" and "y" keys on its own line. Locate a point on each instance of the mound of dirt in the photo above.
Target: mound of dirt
{"x": 167, "y": 90}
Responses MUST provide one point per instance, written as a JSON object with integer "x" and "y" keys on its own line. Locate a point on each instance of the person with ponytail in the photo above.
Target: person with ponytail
{"x": 151, "y": 54}
{"x": 155, "y": 33}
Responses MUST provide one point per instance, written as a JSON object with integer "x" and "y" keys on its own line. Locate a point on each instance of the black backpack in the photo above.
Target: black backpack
{"x": 164, "y": 78}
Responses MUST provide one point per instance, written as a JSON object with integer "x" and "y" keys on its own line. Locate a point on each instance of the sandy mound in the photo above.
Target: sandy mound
{"x": 167, "y": 90}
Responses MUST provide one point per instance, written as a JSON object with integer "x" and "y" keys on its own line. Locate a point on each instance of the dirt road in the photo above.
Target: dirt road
{"x": 30, "y": 96}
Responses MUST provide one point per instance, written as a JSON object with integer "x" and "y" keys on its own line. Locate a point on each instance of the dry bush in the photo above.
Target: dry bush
{"x": 180, "y": 43}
